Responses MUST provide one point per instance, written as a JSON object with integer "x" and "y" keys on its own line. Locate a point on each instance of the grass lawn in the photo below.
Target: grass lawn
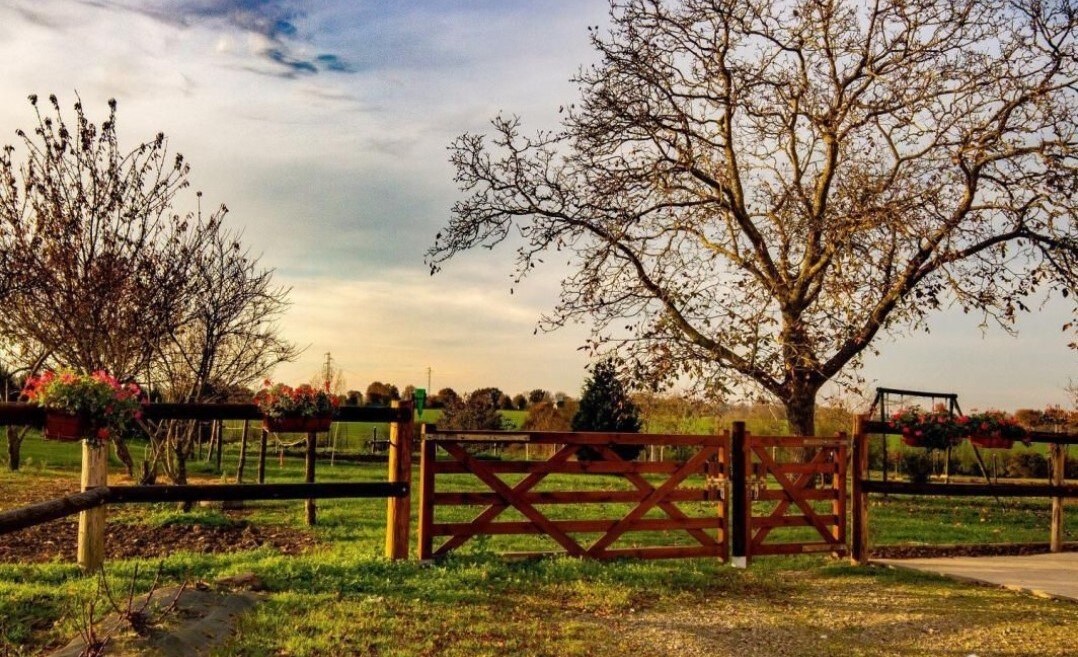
{"x": 343, "y": 598}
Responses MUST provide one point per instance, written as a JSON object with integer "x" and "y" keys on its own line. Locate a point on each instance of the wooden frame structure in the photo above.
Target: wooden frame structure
{"x": 863, "y": 485}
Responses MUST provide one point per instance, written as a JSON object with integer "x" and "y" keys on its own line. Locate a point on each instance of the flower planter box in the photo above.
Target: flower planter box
{"x": 992, "y": 442}
{"x": 297, "y": 424}
{"x": 66, "y": 427}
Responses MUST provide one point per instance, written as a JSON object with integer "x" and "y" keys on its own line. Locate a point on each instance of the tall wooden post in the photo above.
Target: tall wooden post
{"x": 426, "y": 494}
{"x": 243, "y": 453}
{"x": 308, "y": 475}
{"x": 1058, "y": 461}
{"x": 838, "y": 483}
{"x": 739, "y": 482}
{"x": 95, "y": 473}
{"x": 859, "y": 553}
{"x": 399, "y": 510}
{"x": 262, "y": 456}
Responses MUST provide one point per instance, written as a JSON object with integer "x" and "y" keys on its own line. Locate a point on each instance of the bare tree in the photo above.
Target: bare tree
{"x": 755, "y": 189}
{"x": 100, "y": 260}
{"x": 228, "y": 338}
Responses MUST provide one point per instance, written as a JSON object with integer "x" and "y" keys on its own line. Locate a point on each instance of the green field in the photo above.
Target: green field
{"x": 344, "y": 598}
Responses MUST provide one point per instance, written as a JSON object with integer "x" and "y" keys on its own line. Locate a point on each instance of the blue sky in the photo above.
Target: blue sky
{"x": 323, "y": 126}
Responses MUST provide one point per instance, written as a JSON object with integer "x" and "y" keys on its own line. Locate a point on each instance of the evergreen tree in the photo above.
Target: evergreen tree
{"x": 605, "y": 406}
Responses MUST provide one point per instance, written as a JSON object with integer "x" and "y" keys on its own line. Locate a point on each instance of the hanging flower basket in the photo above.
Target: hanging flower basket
{"x": 67, "y": 427}
{"x": 992, "y": 441}
{"x": 302, "y": 409}
{"x": 299, "y": 424}
{"x": 93, "y": 407}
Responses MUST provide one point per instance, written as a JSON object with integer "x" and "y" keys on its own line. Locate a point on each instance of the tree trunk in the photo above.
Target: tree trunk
{"x": 124, "y": 455}
{"x": 14, "y": 445}
{"x": 801, "y": 412}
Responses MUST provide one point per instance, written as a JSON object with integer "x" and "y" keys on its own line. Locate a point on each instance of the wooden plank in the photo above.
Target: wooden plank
{"x": 774, "y": 522}
{"x": 665, "y": 552}
{"x": 579, "y": 438}
{"x": 568, "y": 497}
{"x": 576, "y": 526}
{"x": 310, "y": 507}
{"x": 971, "y": 490}
{"x": 812, "y": 468}
{"x": 796, "y": 442}
{"x": 759, "y": 531}
{"x": 859, "y": 553}
{"x": 427, "y": 499}
{"x": 838, "y": 505}
{"x": 233, "y": 492}
{"x": 566, "y": 467}
{"x": 801, "y": 548}
{"x": 1058, "y": 462}
{"x": 779, "y": 495}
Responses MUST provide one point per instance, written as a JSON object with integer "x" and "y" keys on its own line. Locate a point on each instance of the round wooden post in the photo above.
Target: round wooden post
{"x": 308, "y": 475}
{"x": 739, "y": 505}
{"x": 1058, "y": 461}
{"x": 859, "y": 553}
{"x": 399, "y": 510}
{"x": 95, "y": 473}
{"x": 262, "y": 456}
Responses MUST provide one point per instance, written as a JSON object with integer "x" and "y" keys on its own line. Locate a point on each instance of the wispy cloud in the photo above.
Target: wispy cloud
{"x": 272, "y": 28}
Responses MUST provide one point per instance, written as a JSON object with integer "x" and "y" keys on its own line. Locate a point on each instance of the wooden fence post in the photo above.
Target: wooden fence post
{"x": 308, "y": 475}
{"x": 95, "y": 473}
{"x": 427, "y": 458}
{"x": 739, "y": 522}
{"x": 262, "y": 456}
{"x": 859, "y": 553}
{"x": 1058, "y": 463}
{"x": 399, "y": 511}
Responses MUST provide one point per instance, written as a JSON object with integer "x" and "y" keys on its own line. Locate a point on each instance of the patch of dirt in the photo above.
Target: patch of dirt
{"x": 57, "y": 540}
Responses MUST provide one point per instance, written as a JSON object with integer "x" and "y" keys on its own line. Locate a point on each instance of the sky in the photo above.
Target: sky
{"x": 323, "y": 126}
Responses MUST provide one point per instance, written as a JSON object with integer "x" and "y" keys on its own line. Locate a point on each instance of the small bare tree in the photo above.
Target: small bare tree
{"x": 228, "y": 338}
{"x": 752, "y": 190}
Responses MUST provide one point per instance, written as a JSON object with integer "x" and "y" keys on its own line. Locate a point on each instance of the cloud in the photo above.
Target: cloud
{"x": 284, "y": 50}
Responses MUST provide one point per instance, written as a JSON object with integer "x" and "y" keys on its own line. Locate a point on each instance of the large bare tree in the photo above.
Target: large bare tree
{"x": 759, "y": 188}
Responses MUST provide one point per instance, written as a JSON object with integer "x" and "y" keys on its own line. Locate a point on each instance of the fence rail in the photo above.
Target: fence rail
{"x": 36, "y": 514}
{"x": 21, "y": 413}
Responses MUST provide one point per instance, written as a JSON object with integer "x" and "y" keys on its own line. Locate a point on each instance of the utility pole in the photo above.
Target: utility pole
{"x": 327, "y": 372}
{"x": 429, "y": 391}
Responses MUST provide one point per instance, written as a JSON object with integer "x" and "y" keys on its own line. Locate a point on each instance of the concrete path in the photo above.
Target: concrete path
{"x": 1046, "y": 575}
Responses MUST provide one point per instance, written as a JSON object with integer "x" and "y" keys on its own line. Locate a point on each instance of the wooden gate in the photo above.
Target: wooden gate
{"x": 651, "y": 491}
{"x": 797, "y": 502}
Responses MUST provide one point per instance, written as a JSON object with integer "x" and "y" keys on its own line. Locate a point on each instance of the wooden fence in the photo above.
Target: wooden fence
{"x": 863, "y": 485}
{"x": 729, "y": 472}
{"x": 95, "y": 492}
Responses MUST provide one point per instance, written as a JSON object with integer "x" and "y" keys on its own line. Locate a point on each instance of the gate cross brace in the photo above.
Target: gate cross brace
{"x": 651, "y": 500}
{"x": 670, "y": 508}
{"x": 511, "y": 498}
{"x": 791, "y": 488}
